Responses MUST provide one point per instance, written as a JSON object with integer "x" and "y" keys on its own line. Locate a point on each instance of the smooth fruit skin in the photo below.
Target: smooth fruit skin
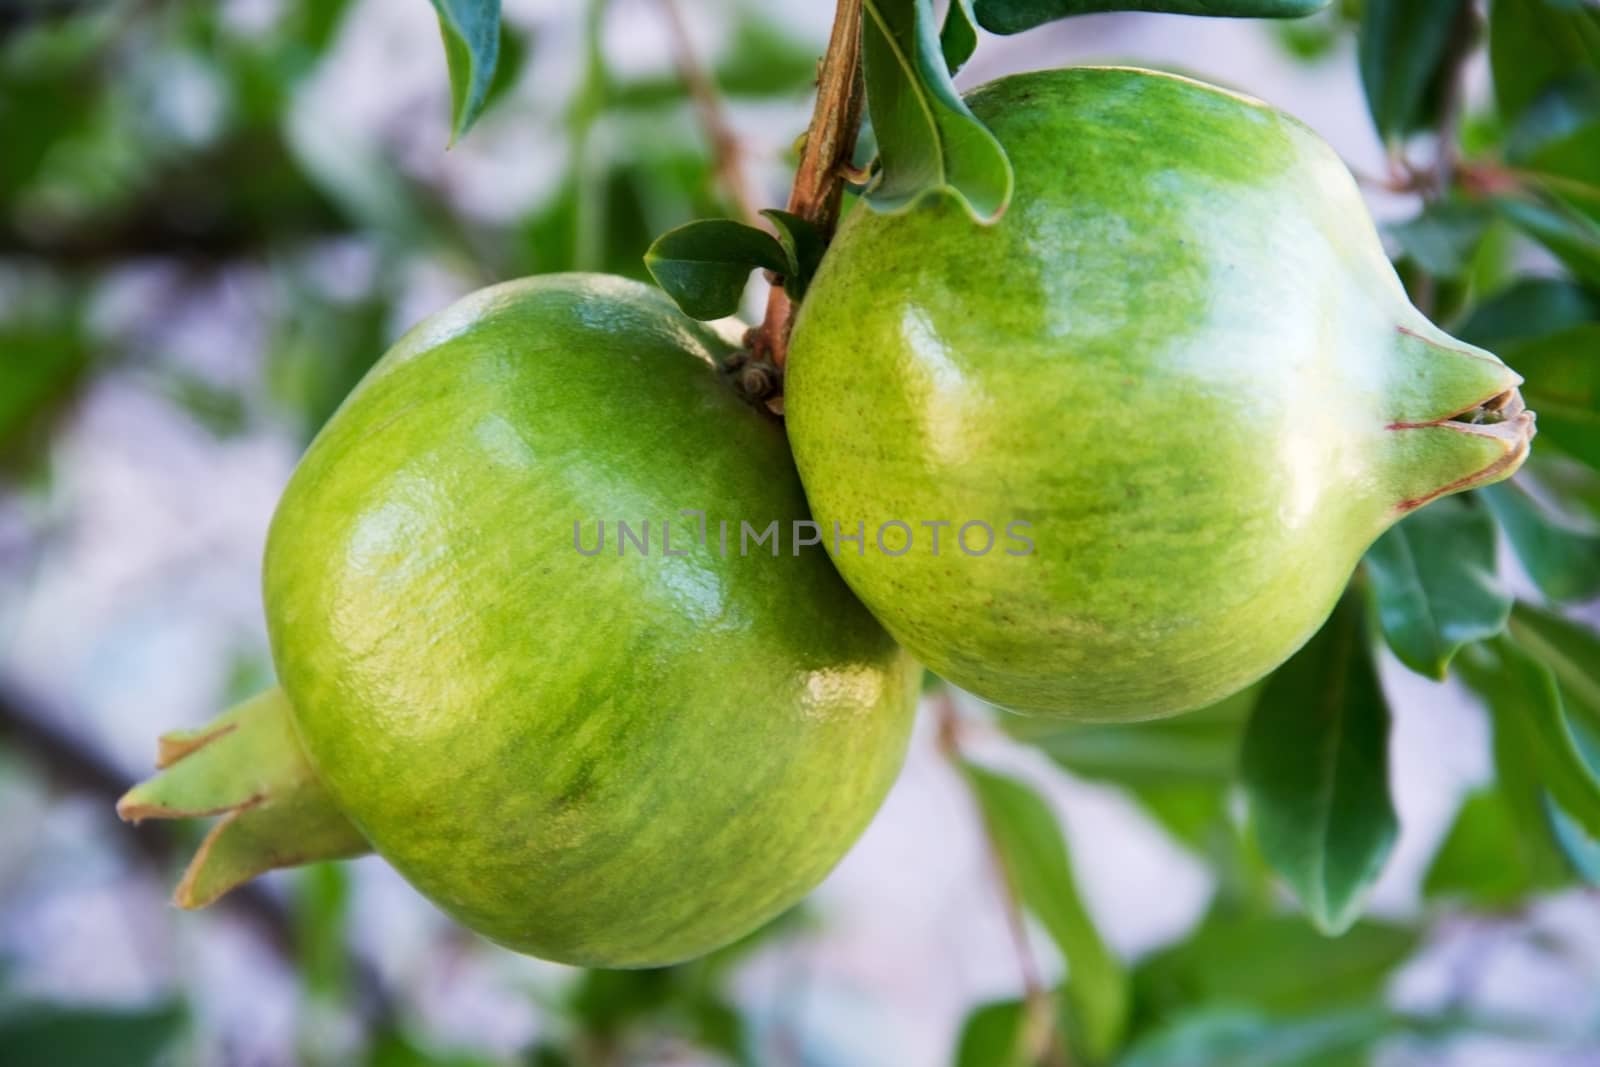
{"x": 1181, "y": 356}
{"x": 605, "y": 761}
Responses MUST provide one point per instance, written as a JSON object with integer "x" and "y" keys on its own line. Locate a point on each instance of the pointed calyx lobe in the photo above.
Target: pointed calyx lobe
{"x": 1454, "y": 418}
{"x": 246, "y": 766}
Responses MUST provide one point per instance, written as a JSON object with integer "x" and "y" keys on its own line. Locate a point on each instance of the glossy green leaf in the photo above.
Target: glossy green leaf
{"x": 471, "y": 32}
{"x": 802, "y": 245}
{"x": 1435, "y": 584}
{"x": 1315, "y": 766}
{"x": 1528, "y": 308}
{"x": 1014, "y": 16}
{"x": 1035, "y": 857}
{"x": 1531, "y": 726}
{"x": 1562, "y": 372}
{"x": 994, "y": 1036}
{"x": 1239, "y": 1037}
{"x": 1275, "y": 963}
{"x": 1561, "y": 553}
{"x": 704, "y": 265}
{"x": 1486, "y": 858}
{"x": 1536, "y": 43}
{"x": 928, "y": 142}
{"x": 1403, "y": 45}
{"x": 958, "y": 38}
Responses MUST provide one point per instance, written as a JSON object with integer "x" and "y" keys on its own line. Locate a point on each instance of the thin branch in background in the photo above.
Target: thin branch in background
{"x": 1463, "y": 39}
{"x": 32, "y": 727}
{"x": 726, "y": 149}
{"x": 820, "y": 179}
{"x": 1434, "y": 183}
{"x": 1042, "y": 1039}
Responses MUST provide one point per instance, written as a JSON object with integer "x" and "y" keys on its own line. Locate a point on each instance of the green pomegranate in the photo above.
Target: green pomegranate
{"x": 1170, "y": 398}
{"x": 613, "y": 756}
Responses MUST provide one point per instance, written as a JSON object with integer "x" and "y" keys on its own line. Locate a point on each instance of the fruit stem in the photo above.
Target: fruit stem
{"x": 819, "y": 181}
{"x": 248, "y": 767}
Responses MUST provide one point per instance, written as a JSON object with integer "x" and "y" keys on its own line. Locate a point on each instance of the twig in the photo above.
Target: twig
{"x": 1462, "y": 35}
{"x": 1042, "y": 1039}
{"x": 819, "y": 181}
{"x": 725, "y": 147}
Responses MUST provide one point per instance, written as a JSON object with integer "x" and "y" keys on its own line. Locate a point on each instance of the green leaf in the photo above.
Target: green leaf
{"x": 1572, "y": 652}
{"x": 44, "y": 362}
{"x": 77, "y": 1037}
{"x": 1403, "y": 45}
{"x": 1560, "y": 553}
{"x": 1435, "y": 585}
{"x": 1531, "y": 726}
{"x": 1442, "y": 238}
{"x": 1236, "y": 1037}
{"x": 1529, "y": 307}
{"x": 1562, "y": 372}
{"x": 958, "y": 38}
{"x": 704, "y": 265}
{"x": 1035, "y": 857}
{"x": 1014, "y": 16}
{"x": 1274, "y": 963}
{"x": 1486, "y": 859}
{"x": 1571, "y": 236}
{"x": 471, "y": 32}
{"x": 1559, "y": 132}
{"x": 928, "y": 142}
{"x": 1316, "y": 770}
{"x": 1579, "y": 848}
{"x": 1535, "y": 43}
{"x": 803, "y": 246}
{"x": 993, "y": 1036}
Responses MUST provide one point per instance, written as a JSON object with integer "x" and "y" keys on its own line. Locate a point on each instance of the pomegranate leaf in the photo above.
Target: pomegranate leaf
{"x": 928, "y": 141}
{"x": 704, "y": 265}
{"x": 471, "y": 32}
{"x": 1014, "y": 16}
{"x": 1316, "y": 770}
{"x": 1434, "y": 581}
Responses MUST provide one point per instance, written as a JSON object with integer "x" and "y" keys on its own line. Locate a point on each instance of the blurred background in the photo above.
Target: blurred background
{"x": 214, "y": 216}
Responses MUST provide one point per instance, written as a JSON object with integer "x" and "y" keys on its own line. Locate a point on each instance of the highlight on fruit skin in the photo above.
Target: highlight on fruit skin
{"x": 605, "y": 760}
{"x": 1181, "y": 356}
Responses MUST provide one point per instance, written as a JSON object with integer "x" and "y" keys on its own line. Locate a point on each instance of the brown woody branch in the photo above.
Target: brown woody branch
{"x": 819, "y": 182}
